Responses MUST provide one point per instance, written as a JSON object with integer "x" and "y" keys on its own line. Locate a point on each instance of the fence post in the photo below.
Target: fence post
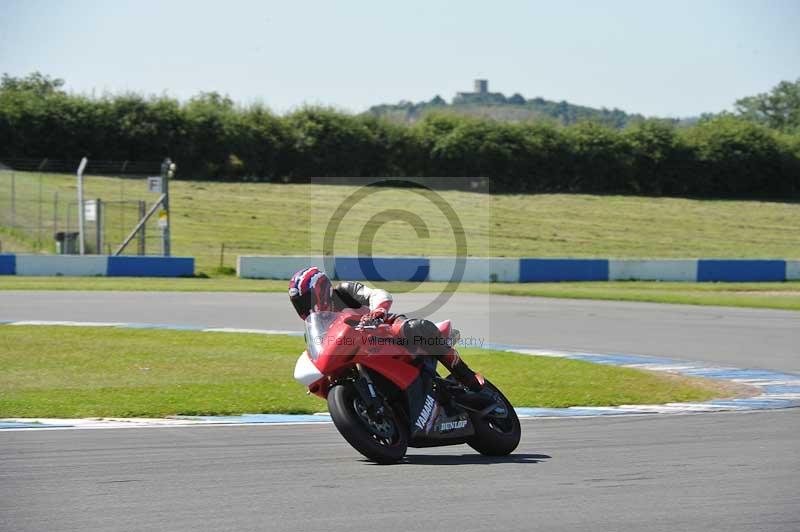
{"x": 55, "y": 212}
{"x": 99, "y": 226}
{"x": 167, "y": 171}
{"x": 122, "y": 209}
{"x": 39, "y": 228}
{"x": 142, "y": 235}
{"x": 81, "y": 216}
{"x": 13, "y": 200}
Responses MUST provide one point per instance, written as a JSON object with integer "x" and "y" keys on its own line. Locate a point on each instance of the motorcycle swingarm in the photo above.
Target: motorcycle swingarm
{"x": 475, "y": 402}
{"x": 480, "y": 412}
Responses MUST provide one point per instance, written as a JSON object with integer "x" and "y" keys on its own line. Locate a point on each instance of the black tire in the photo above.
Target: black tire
{"x": 343, "y": 402}
{"x": 496, "y": 435}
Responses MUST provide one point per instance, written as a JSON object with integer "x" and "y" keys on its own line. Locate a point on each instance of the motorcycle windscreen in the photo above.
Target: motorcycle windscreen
{"x": 317, "y": 325}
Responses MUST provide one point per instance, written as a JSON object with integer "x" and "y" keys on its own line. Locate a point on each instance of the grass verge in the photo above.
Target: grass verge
{"x": 106, "y": 372}
{"x": 784, "y": 296}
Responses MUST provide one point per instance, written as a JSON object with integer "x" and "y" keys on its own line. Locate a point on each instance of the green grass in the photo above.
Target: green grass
{"x": 784, "y": 296}
{"x": 105, "y": 372}
{"x": 290, "y": 219}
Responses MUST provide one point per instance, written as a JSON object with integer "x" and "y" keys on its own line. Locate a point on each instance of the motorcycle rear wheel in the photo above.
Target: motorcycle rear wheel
{"x": 384, "y": 441}
{"x": 496, "y": 435}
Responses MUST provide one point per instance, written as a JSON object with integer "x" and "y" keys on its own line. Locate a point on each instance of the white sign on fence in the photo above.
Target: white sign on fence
{"x": 154, "y": 184}
{"x": 90, "y": 211}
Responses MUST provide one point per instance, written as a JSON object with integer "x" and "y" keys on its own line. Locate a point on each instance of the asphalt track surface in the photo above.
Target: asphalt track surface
{"x": 722, "y": 471}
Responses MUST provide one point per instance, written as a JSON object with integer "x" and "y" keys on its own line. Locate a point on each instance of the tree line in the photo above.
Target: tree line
{"x": 515, "y": 108}
{"x": 214, "y": 139}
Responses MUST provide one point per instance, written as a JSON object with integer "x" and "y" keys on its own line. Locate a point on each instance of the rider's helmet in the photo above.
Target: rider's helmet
{"x": 310, "y": 290}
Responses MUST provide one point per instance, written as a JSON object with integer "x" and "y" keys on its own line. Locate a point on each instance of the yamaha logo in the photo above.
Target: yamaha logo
{"x": 427, "y": 409}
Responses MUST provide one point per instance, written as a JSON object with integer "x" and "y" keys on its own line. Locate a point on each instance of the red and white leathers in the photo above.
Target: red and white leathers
{"x": 353, "y": 294}
{"x": 310, "y": 290}
{"x": 424, "y": 337}
{"x": 379, "y": 302}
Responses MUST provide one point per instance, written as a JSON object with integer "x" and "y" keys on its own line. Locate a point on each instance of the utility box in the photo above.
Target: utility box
{"x": 66, "y": 243}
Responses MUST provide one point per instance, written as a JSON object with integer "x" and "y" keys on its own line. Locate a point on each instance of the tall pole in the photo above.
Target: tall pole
{"x": 167, "y": 171}
{"x": 13, "y": 200}
{"x": 55, "y": 212}
{"x": 81, "y": 220}
{"x": 142, "y": 235}
{"x": 39, "y": 230}
{"x": 98, "y": 226}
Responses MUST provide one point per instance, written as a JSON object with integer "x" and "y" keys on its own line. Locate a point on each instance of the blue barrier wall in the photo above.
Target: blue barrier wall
{"x": 553, "y": 270}
{"x": 382, "y": 268}
{"x": 150, "y": 266}
{"x": 741, "y": 270}
{"x": 8, "y": 264}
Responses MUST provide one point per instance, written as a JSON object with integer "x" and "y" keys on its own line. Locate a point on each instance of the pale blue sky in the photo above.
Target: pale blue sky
{"x": 671, "y": 58}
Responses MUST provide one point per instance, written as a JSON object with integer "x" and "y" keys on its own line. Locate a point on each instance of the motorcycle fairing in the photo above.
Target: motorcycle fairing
{"x": 420, "y": 400}
{"x": 429, "y": 418}
{"x": 397, "y": 371}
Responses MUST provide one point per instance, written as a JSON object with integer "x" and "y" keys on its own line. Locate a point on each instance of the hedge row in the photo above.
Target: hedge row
{"x": 211, "y": 138}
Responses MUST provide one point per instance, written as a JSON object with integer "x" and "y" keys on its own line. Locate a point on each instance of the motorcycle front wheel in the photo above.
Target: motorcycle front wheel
{"x": 498, "y": 432}
{"x": 382, "y": 439}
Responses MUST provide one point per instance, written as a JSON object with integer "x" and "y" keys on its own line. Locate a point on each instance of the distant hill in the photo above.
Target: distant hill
{"x": 515, "y": 108}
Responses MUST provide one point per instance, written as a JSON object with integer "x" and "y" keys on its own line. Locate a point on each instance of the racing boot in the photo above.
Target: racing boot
{"x": 459, "y": 369}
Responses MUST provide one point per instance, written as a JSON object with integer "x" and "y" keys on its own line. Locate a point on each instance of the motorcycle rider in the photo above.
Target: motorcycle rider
{"x": 310, "y": 290}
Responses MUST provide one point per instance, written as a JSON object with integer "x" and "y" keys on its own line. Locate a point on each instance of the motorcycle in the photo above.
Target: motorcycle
{"x": 383, "y": 399}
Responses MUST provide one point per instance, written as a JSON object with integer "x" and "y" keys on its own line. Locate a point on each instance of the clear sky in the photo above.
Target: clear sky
{"x": 669, "y": 58}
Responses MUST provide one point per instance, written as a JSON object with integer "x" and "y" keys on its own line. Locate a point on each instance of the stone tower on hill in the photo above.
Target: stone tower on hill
{"x": 480, "y": 95}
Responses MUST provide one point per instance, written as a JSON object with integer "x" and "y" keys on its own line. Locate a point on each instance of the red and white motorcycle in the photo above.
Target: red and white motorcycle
{"x": 383, "y": 399}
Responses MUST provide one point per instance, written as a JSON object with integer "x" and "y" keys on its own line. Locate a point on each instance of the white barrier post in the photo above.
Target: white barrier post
{"x": 81, "y": 220}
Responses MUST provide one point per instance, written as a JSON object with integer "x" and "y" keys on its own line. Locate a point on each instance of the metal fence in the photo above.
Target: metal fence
{"x": 38, "y": 200}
